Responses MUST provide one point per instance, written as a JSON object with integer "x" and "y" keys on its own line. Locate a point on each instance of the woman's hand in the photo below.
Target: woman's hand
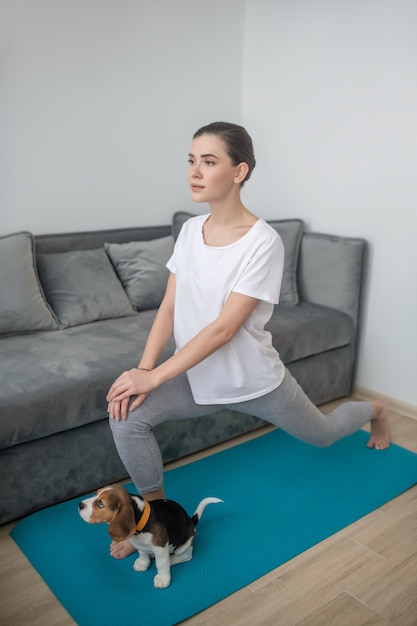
{"x": 134, "y": 382}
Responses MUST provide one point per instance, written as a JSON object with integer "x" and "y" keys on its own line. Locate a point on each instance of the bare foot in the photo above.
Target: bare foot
{"x": 121, "y": 549}
{"x": 380, "y": 432}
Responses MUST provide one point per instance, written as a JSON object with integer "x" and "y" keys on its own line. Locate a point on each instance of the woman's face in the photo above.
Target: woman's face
{"x": 211, "y": 174}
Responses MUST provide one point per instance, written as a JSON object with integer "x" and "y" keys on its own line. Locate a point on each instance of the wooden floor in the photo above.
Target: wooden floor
{"x": 365, "y": 574}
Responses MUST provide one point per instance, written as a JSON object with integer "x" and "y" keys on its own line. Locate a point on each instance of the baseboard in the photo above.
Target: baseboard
{"x": 362, "y": 393}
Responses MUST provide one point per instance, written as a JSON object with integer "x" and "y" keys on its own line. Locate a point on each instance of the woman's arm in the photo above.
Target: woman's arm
{"x": 162, "y": 328}
{"x": 159, "y": 335}
{"x": 235, "y": 311}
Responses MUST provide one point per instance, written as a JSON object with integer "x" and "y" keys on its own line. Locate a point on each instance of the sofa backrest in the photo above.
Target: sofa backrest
{"x": 65, "y": 242}
{"x": 331, "y": 269}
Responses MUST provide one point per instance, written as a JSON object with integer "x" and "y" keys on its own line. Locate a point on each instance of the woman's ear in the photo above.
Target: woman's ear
{"x": 241, "y": 172}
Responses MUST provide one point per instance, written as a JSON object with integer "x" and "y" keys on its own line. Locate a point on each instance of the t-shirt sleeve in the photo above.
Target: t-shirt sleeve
{"x": 176, "y": 254}
{"x": 171, "y": 263}
{"x": 262, "y": 276}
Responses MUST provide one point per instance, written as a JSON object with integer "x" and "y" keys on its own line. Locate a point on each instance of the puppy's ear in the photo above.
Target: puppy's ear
{"x": 123, "y": 524}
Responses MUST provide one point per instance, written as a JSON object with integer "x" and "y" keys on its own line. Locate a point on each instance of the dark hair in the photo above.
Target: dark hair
{"x": 238, "y": 143}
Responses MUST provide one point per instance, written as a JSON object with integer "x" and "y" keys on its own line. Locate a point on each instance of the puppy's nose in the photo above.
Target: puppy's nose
{"x": 81, "y": 506}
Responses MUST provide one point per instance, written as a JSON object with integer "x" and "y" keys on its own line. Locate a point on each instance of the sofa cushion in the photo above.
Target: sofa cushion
{"x": 178, "y": 220}
{"x": 64, "y": 376}
{"x": 307, "y": 330}
{"x": 22, "y": 304}
{"x": 290, "y": 231}
{"x": 82, "y": 287}
{"x": 141, "y": 267}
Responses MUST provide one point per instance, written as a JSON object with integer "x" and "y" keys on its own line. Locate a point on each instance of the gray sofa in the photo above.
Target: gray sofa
{"x": 75, "y": 311}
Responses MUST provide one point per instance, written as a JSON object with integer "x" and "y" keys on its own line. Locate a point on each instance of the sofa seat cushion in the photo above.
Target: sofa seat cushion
{"x": 57, "y": 380}
{"x": 308, "y": 329}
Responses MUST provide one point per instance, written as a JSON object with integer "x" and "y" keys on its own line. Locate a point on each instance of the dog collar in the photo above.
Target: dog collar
{"x": 144, "y": 518}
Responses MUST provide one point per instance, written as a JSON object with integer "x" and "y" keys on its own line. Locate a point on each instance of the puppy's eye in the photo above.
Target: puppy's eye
{"x": 100, "y": 504}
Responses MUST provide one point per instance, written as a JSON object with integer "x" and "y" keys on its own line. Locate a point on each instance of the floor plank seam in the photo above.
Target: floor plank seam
{"x": 367, "y": 606}
{"x": 368, "y": 549}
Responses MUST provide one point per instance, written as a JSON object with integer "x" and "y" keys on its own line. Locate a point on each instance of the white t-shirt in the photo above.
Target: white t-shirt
{"x": 248, "y": 366}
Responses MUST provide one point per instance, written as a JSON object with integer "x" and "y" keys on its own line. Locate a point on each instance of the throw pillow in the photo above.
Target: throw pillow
{"x": 141, "y": 267}
{"x": 81, "y": 287}
{"x": 178, "y": 220}
{"x": 22, "y": 304}
{"x": 290, "y": 231}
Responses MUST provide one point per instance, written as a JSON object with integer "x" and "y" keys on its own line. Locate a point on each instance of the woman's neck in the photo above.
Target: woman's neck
{"x": 230, "y": 214}
{"x": 227, "y": 224}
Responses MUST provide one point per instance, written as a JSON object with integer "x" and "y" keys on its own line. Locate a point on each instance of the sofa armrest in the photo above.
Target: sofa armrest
{"x": 332, "y": 271}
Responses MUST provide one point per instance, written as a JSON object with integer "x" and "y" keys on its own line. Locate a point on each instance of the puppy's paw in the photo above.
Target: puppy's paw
{"x": 141, "y": 564}
{"x": 162, "y": 581}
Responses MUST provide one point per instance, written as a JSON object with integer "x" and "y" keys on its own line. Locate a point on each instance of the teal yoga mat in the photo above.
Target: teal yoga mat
{"x": 280, "y": 498}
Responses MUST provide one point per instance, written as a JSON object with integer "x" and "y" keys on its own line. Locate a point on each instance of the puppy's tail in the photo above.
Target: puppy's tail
{"x": 199, "y": 511}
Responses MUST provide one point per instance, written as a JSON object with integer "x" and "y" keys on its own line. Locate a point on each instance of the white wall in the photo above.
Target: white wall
{"x": 330, "y": 98}
{"x": 99, "y": 100}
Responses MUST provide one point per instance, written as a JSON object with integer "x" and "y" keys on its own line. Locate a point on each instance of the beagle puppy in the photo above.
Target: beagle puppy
{"x": 160, "y": 528}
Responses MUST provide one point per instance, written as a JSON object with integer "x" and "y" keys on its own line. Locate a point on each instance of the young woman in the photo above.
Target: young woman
{"x": 225, "y": 277}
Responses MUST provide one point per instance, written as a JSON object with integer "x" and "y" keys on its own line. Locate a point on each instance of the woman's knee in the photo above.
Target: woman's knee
{"x": 132, "y": 426}
{"x": 324, "y": 442}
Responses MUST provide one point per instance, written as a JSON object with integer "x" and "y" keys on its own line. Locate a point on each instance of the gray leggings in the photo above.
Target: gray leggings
{"x": 287, "y": 407}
